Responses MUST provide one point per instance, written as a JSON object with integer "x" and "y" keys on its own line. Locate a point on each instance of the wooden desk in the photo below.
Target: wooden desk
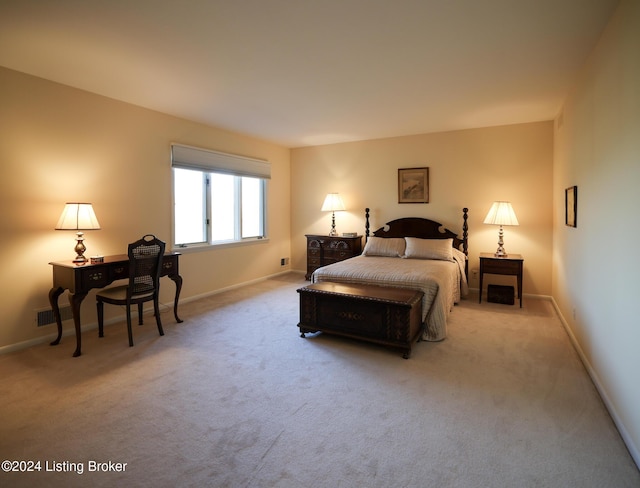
{"x": 79, "y": 279}
{"x": 510, "y": 265}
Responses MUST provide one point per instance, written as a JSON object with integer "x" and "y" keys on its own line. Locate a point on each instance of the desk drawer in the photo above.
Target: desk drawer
{"x": 95, "y": 277}
{"x": 119, "y": 272}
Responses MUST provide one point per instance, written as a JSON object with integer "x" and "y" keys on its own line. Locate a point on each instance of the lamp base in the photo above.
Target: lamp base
{"x": 500, "y": 252}
{"x": 333, "y": 232}
{"x": 80, "y": 249}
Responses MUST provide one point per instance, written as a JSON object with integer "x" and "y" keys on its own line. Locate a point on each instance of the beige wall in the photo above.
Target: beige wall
{"x": 595, "y": 266}
{"x": 61, "y": 144}
{"x": 469, "y": 168}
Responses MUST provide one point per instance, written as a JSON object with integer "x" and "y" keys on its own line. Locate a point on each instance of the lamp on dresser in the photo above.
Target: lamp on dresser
{"x": 79, "y": 217}
{"x": 333, "y": 203}
{"x": 501, "y": 213}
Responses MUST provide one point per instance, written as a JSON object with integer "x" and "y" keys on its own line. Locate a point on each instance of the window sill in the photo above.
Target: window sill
{"x": 223, "y": 245}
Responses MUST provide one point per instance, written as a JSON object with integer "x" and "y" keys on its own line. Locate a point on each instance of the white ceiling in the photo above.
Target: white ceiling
{"x": 308, "y": 72}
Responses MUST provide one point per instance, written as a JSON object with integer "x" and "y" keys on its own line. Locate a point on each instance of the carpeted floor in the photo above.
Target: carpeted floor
{"x": 233, "y": 397}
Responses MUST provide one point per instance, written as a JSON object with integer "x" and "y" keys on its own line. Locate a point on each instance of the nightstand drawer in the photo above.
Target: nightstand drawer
{"x": 501, "y": 266}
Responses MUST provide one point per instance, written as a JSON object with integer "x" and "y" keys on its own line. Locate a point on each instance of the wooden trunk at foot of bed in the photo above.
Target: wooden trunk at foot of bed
{"x": 389, "y": 316}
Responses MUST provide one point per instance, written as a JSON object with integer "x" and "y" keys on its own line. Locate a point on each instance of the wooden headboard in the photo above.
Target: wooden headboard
{"x": 423, "y": 229}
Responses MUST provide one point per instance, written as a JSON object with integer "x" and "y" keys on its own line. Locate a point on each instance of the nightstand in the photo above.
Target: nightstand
{"x": 324, "y": 250}
{"x": 510, "y": 265}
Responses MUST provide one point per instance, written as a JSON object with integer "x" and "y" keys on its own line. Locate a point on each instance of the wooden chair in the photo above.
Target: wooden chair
{"x": 145, "y": 261}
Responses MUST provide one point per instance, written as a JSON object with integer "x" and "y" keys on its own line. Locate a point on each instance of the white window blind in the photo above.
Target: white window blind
{"x": 189, "y": 157}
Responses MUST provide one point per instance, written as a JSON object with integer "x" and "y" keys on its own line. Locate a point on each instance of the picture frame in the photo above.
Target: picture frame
{"x": 413, "y": 185}
{"x": 571, "y": 206}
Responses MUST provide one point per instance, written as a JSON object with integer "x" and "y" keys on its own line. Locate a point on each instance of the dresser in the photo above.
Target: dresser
{"x": 324, "y": 250}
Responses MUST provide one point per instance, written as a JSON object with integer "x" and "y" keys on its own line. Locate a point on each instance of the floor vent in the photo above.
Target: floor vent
{"x": 46, "y": 317}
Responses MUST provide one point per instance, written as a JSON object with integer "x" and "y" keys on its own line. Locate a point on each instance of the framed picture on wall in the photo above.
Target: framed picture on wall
{"x": 571, "y": 206}
{"x": 413, "y": 185}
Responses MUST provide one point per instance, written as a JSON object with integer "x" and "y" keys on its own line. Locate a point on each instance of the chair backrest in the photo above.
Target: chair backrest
{"x": 145, "y": 264}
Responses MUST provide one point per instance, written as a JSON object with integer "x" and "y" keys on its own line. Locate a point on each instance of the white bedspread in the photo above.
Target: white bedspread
{"x": 442, "y": 282}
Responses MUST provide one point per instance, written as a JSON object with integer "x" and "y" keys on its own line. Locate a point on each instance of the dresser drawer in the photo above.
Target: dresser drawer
{"x": 337, "y": 254}
{"x": 313, "y": 253}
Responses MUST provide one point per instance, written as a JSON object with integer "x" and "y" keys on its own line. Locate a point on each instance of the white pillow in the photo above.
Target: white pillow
{"x": 441, "y": 249}
{"x": 384, "y": 246}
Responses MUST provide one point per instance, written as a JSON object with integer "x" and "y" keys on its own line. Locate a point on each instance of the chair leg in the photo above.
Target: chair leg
{"x": 129, "y": 326}
{"x": 100, "y": 306}
{"x": 140, "y": 310}
{"x": 156, "y": 311}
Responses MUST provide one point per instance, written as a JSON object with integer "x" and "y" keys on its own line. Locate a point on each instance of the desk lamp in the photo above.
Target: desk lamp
{"x": 78, "y": 217}
{"x": 501, "y": 213}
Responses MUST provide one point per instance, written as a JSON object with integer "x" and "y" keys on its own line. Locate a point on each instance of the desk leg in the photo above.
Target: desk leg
{"x": 76, "y": 300}
{"x": 54, "y": 293}
{"x": 480, "y": 292}
{"x": 177, "y": 279}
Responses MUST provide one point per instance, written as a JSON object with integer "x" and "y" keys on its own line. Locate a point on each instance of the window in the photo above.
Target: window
{"x": 218, "y": 198}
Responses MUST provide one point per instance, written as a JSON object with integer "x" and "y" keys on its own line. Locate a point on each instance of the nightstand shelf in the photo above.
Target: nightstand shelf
{"x": 510, "y": 265}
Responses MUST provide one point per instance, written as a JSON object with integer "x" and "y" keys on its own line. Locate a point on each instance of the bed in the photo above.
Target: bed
{"x": 411, "y": 253}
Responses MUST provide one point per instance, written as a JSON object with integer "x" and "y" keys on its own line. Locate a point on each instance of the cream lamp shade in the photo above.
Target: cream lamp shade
{"x": 78, "y": 216}
{"x": 501, "y": 213}
{"x": 333, "y": 203}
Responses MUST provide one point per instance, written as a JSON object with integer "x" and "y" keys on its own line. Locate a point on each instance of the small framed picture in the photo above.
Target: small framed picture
{"x": 413, "y": 185}
{"x": 571, "y": 206}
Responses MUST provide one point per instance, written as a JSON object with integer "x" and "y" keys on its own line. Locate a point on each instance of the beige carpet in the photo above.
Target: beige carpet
{"x": 233, "y": 397}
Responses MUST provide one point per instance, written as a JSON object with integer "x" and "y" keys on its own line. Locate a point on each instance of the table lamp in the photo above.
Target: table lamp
{"x": 78, "y": 217}
{"x": 333, "y": 203}
{"x": 501, "y": 213}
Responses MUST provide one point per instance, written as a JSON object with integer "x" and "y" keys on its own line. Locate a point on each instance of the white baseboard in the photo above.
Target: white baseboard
{"x": 233, "y": 287}
{"x": 524, "y": 295}
{"x": 633, "y": 449}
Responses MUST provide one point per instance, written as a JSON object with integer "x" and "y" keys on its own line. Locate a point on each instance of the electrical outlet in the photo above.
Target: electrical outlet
{"x": 284, "y": 261}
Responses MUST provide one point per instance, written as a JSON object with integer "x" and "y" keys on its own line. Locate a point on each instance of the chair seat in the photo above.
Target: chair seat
{"x": 119, "y": 294}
